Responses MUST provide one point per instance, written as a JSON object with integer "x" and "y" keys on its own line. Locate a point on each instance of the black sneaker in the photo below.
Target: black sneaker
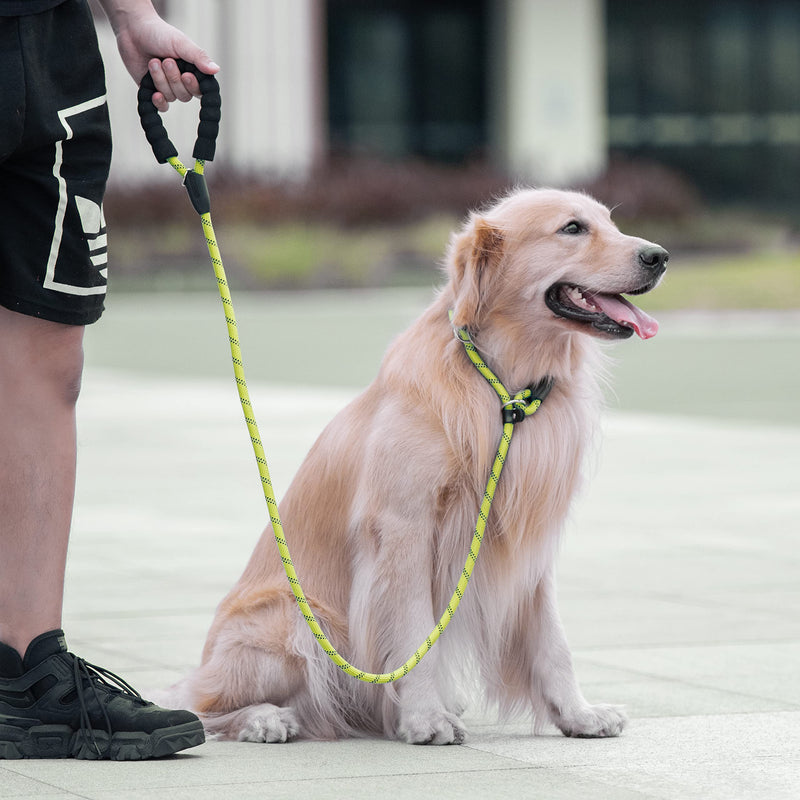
{"x": 56, "y": 705}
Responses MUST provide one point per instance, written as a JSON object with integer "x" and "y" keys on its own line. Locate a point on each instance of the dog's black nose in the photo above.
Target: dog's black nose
{"x": 654, "y": 258}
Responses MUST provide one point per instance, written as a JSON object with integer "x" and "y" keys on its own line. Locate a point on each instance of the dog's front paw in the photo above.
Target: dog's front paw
{"x": 268, "y": 723}
{"x": 431, "y": 728}
{"x": 591, "y": 722}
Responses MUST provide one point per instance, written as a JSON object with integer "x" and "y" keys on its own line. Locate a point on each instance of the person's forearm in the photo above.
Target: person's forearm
{"x": 119, "y": 12}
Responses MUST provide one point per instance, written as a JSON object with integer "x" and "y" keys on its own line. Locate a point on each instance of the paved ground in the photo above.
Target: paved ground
{"x": 678, "y": 580}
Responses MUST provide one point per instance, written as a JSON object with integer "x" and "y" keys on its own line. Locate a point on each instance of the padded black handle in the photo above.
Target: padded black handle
{"x": 210, "y": 113}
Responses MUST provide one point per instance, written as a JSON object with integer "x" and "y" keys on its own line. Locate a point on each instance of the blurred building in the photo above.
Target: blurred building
{"x": 711, "y": 87}
{"x": 546, "y": 89}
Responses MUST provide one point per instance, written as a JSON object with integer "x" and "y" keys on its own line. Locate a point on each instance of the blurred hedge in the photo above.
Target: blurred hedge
{"x": 361, "y": 222}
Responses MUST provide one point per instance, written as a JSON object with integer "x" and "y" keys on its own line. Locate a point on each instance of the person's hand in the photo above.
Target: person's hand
{"x": 148, "y": 43}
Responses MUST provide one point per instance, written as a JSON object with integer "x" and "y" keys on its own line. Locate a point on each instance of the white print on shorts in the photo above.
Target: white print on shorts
{"x": 91, "y": 215}
{"x": 94, "y": 226}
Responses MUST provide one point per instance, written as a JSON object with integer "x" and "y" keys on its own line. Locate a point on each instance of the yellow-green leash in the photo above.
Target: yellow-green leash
{"x": 516, "y": 408}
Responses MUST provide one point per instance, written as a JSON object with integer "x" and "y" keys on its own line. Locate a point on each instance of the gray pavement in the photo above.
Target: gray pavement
{"x": 679, "y": 583}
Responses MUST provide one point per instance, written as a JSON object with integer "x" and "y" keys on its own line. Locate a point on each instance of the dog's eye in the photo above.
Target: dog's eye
{"x": 574, "y": 227}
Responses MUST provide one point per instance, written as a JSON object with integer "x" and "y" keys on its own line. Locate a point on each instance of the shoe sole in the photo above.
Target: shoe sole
{"x": 60, "y": 741}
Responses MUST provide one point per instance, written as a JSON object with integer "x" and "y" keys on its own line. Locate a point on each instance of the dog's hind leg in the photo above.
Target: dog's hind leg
{"x": 243, "y": 692}
{"x": 264, "y": 722}
{"x": 249, "y": 675}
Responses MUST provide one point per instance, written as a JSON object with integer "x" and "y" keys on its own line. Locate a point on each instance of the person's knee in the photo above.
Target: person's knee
{"x": 68, "y": 373}
{"x": 62, "y": 370}
{"x": 46, "y": 356}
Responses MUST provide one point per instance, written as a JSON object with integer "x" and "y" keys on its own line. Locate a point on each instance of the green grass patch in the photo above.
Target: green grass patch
{"x": 295, "y": 255}
{"x": 763, "y": 280}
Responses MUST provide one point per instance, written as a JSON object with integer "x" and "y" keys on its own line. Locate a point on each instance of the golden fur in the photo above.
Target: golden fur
{"x": 381, "y": 513}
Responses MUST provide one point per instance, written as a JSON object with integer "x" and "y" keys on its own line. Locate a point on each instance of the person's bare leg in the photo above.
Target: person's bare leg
{"x": 40, "y": 373}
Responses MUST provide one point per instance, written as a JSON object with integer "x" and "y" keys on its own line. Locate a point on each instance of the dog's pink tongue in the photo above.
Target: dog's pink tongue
{"x": 626, "y": 313}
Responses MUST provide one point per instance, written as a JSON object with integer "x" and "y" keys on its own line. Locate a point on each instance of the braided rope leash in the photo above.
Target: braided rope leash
{"x": 515, "y": 409}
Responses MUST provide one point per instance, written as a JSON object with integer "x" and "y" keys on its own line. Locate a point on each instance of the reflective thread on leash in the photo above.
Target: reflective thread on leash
{"x": 514, "y": 409}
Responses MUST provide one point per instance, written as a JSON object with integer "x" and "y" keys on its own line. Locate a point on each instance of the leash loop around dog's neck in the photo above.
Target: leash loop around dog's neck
{"x": 514, "y": 409}
{"x": 518, "y": 407}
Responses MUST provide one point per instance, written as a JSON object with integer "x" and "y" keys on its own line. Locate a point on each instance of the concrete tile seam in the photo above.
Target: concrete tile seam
{"x": 739, "y": 714}
{"x": 687, "y": 645}
{"x": 155, "y": 613}
{"x": 262, "y": 781}
{"x": 59, "y": 791}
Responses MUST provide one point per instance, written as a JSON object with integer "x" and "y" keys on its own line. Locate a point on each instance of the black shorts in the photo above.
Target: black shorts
{"x": 55, "y": 152}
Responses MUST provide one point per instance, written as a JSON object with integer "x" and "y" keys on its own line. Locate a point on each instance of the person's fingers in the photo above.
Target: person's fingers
{"x": 191, "y": 84}
{"x": 160, "y": 80}
{"x": 171, "y": 84}
{"x": 200, "y": 59}
{"x": 176, "y": 88}
{"x": 159, "y": 101}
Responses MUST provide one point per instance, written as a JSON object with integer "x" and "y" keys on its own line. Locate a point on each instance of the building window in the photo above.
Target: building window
{"x": 712, "y": 88}
{"x": 407, "y": 77}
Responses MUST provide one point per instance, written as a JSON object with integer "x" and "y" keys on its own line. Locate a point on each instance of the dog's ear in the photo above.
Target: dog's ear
{"x": 473, "y": 258}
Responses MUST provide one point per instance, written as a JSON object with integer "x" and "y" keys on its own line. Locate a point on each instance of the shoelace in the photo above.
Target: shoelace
{"x": 94, "y": 676}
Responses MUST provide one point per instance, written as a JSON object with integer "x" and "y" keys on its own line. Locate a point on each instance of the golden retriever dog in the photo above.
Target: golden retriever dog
{"x": 380, "y": 516}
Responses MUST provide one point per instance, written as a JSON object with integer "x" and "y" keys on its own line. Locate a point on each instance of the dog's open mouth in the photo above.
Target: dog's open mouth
{"x": 610, "y": 314}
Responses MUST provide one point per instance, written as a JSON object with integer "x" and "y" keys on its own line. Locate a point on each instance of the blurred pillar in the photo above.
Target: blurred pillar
{"x": 271, "y": 77}
{"x": 549, "y": 88}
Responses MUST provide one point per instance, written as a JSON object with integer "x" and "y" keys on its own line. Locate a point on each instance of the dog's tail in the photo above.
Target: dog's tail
{"x": 176, "y": 696}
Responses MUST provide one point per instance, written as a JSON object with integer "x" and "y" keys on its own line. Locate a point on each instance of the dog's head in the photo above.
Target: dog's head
{"x": 553, "y": 256}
